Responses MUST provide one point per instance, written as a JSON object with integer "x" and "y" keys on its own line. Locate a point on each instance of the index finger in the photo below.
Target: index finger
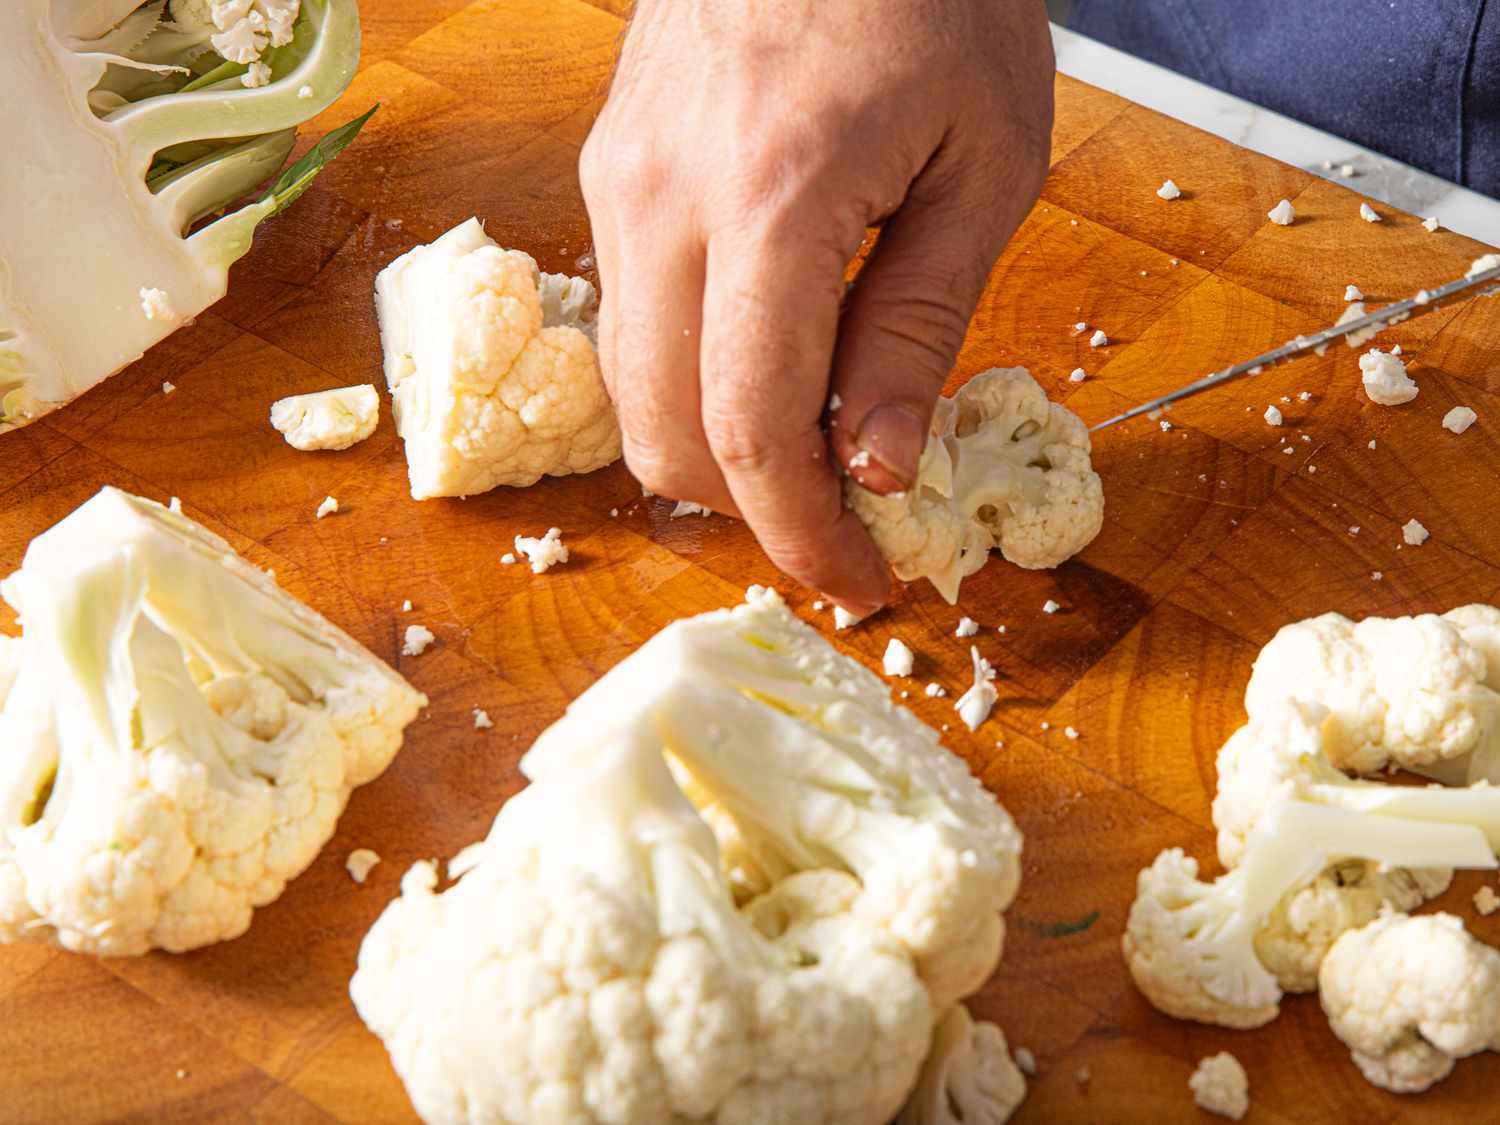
{"x": 770, "y": 317}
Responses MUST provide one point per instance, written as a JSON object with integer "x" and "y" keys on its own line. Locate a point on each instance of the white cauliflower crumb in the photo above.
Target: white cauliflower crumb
{"x": 1272, "y": 416}
{"x": 1414, "y": 533}
{"x": 860, "y": 460}
{"x": 975, "y": 705}
{"x": 1304, "y": 396}
{"x": 543, "y": 553}
{"x": 360, "y": 863}
{"x": 1486, "y": 901}
{"x": 688, "y": 508}
{"x": 1078, "y": 375}
{"x": 1376, "y": 575}
{"x": 482, "y": 720}
{"x": 1352, "y": 293}
{"x": 1025, "y": 1061}
{"x": 818, "y": 605}
{"x": 1347, "y": 171}
{"x": 1165, "y": 425}
{"x": 332, "y": 419}
{"x": 1385, "y": 378}
{"x": 1282, "y": 214}
{"x": 258, "y": 74}
{"x": 1083, "y": 1075}
{"x": 417, "y": 640}
{"x": 1371, "y": 445}
{"x": 168, "y": 388}
{"x": 898, "y": 659}
{"x": 507, "y": 559}
{"x": 843, "y": 619}
{"x": 1080, "y": 328}
{"x": 1071, "y": 733}
{"x": 1050, "y": 606}
{"x": 1220, "y": 1086}
{"x": 967, "y": 627}
{"x": 327, "y": 507}
{"x": 1169, "y": 190}
{"x": 406, "y": 606}
{"x": 1430, "y": 224}
{"x": 1098, "y": 339}
{"x": 835, "y": 403}
{"x": 935, "y": 691}
{"x": 1354, "y": 529}
{"x": 1459, "y": 419}
{"x": 1368, "y": 213}
{"x": 1360, "y": 336}
{"x": 156, "y": 304}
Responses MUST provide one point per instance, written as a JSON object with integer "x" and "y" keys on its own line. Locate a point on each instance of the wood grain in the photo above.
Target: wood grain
{"x": 1214, "y": 537}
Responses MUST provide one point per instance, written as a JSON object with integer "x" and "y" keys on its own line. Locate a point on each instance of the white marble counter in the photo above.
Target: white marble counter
{"x": 1323, "y": 154}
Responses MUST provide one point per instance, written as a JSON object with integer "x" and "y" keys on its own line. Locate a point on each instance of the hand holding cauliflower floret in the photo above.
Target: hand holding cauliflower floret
{"x": 1005, "y": 468}
{"x": 491, "y": 365}
{"x": 591, "y": 964}
{"x": 180, "y": 736}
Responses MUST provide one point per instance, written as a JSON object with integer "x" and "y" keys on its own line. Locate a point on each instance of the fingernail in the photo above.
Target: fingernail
{"x": 895, "y": 435}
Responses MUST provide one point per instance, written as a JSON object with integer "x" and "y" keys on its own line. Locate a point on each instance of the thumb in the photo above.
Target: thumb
{"x": 902, "y": 327}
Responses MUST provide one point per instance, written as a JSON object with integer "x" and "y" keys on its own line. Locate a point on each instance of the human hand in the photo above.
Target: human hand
{"x": 745, "y": 148}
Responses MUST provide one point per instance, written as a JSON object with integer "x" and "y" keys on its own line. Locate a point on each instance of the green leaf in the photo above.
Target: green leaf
{"x": 295, "y": 180}
{"x": 220, "y": 73}
{"x": 1058, "y": 929}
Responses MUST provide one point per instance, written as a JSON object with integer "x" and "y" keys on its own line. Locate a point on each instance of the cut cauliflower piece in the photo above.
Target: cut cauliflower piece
{"x": 590, "y": 964}
{"x": 1409, "y": 995}
{"x": 1003, "y": 467}
{"x": 333, "y": 419}
{"x": 969, "y": 1077}
{"x": 491, "y": 366}
{"x": 181, "y": 736}
{"x": 1385, "y": 378}
{"x": 1220, "y": 1086}
{"x": 1190, "y": 946}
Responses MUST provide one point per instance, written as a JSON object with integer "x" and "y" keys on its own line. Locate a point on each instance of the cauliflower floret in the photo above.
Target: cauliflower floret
{"x": 1005, "y": 468}
{"x": 181, "y": 737}
{"x": 333, "y": 419}
{"x": 1220, "y": 1086}
{"x": 1409, "y": 995}
{"x": 492, "y": 370}
{"x": 969, "y": 1077}
{"x": 239, "y": 30}
{"x": 590, "y": 963}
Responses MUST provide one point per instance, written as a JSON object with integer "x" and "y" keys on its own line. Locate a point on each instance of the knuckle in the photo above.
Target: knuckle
{"x": 927, "y": 327}
{"x": 628, "y": 175}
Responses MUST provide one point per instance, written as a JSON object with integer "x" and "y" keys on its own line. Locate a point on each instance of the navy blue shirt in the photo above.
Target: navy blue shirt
{"x": 1415, "y": 79}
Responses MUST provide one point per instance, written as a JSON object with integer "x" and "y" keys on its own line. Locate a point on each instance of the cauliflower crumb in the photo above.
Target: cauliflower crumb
{"x": 1082, "y": 1075}
{"x": 156, "y": 304}
{"x": 543, "y": 553}
{"x": 417, "y": 640}
{"x": 1098, "y": 339}
{"x": 1071, "y": 733}
{"x": 1220, "y": 1086}
{"x": 482, "y": 720}
{"x": 305, "y": 93}
{"x": 1078, "y": 375}
{"x": 1080, "y": 328}
{"x": 360, "y": 863}
{"x": 175, "y": 505}
{"x": 1025, "y": 1061}
{"x": 860, "y": 460}
{"x": 1376, "y": 575}
{"x": 327, "y": 507}
{"x": 934, "y": 691}
{"x": 406, "y": 606}
{"x": 1354, "y": 529}
{"x": 687, "y": 508}
{"x": 1430, "y": 224}
{"x": 1414, "y": 533}
{"x": 1347, "y": 171}
{"x": 843, "y": 619}
{"x": 1050, "y": 606}
{"x": 1459, "y": 419}
{"x": 967, "y": 627}
{"x": 257, "y": 75}
{"x": 507, "y": 559}
{"x": 1352, "y": 293}
{"x": 1304, "y": 396}
{"x": 1486, "y": 901}
{"x": 614, "y": 512}
{"x": 818, "y": 605}
{"x": 1282, "y": 214}
{"x": 835, "y": 403}
{"x": 1272, "y": 416}
{"x": 1169, "y": 190}
{"x": 1385, "y": 378}
{"x": 1165, "y": 425}
{"x": 1371, "y": 445}
{"x": 1368, "y": 213}
{"x": 898, "y": 658}
{"x": 168, "y": 388}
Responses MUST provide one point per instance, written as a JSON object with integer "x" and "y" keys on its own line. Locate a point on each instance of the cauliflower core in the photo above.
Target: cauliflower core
{"x": 491, "y": 365}
{"x": 180, "y": 737}
{"x": 1005, "y": 468}
{"x": 742, "y": 887}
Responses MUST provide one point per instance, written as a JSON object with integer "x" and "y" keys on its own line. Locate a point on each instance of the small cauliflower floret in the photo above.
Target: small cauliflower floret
{"x": 1190, "y": 946}
{"x": 491, "y": 365}
{"x": 1220, "y": 1086}
{"x": 1409, "y": 995}
{"x": 1003, "y": 467}
{"x": 239, "y": 30}
{"x": 969, "y": 1077}
{"x": 180, "y": 739}
{"x": 334, "y": 419}
{"x": 360, "y": 863}
{"x": 1385, "y": 378}
{"x": 593, "y": 964}
{"x": 1282, "y": 214}
{"x": 898, "y": 659}
{"x": 543, "y": 553}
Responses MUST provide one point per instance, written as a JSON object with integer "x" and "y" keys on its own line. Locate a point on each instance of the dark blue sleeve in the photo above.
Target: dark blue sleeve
{"x": 1415, "y": 79}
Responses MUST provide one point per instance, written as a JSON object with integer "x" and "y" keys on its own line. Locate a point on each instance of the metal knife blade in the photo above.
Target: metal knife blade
{"x": 1483, "y": 282}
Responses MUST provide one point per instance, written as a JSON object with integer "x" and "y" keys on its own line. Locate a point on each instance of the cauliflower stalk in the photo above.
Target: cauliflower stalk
{"x": 180, "y": 736}
{"x": 1003, "y": 467}
{"x": 491, "y": 366}
{"x": 124, "y": 128}
{"x": 741, "y": 887}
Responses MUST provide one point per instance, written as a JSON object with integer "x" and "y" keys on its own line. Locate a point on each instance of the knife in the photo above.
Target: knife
{"x": 1477, "y": 282}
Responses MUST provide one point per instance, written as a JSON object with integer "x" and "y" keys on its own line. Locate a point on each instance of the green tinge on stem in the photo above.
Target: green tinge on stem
{"x": 218, "y": 178}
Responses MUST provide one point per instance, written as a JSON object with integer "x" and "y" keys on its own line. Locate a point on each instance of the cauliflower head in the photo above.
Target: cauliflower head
{"x": 180, "y": 736}
{"x": 1005, "y": 468}
{"x": 1409, "y": 995}
{"x": 491, "y": 366}
{"x": 596, "y": 962}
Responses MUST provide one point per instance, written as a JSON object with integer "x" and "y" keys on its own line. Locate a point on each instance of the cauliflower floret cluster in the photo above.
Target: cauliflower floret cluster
{"x": 239, "y": 30}
{"x": 491, "y": 365}
{"x": 733, "y": 849}
{"x": 180, "y": 736}
{"x": 1003, "y": 467}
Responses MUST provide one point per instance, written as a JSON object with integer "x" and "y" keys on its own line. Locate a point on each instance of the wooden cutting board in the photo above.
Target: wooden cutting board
{"x": 1218, "y": 532}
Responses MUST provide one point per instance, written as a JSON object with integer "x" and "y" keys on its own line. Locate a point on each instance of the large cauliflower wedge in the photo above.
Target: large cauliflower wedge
{"x": 1004, "y": 467}
{"x": 178, "y": 738}
{"x": 491, "y": 366}
{"x": 593, "y": 962}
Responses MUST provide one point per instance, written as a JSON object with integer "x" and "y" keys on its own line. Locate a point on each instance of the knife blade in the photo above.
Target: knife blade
{"x": 1477, "y": 282}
